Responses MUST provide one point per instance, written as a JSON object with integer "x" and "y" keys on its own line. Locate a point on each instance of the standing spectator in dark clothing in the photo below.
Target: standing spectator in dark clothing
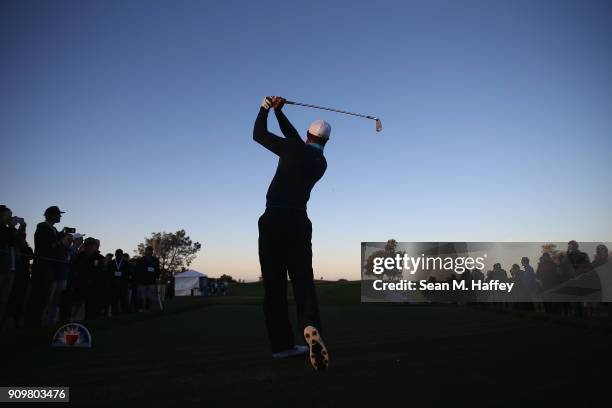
{"x": 601, "y": 262}
{"x": 516, "y": 275}
{"x": 46, "y": 255}
{"x": 14, "y": 314}
{"x": 549, "y": 277}
{"x": 84, "y": 267}
{"x": 98, "y": 300}
{"x": 65, "y": 309}
{"x": 601, "y": 256}
{"x": 131, "y": 265}
{"x": 477, "y": 275}
{"x": 119, "y": 271}
{"x": 528, "y": 284}
{"x": 147, "y": 273}
{"x": 108, "y": 259}
{"x": 59, "y": 282}
{"x": 574, "y": 262}
{"x": 547, "y": 272}
{"x": 8, "y": 257}
{"x": 285, "y": 233}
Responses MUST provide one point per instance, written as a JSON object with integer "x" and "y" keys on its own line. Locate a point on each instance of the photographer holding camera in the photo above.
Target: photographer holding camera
{"x": 47, "y": 255}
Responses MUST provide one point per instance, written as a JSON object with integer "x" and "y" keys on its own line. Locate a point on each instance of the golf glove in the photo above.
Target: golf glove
{"x": 267, "y": 103}
{"x": 278, "y": 102}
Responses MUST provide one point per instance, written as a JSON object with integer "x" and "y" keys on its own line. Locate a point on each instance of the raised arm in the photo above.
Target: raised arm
{"x": 261, "y": 135}
{"x": 286, "y": 126}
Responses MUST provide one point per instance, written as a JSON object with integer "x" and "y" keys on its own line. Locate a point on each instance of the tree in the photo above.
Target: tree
{"x": 389, "y": 252}
{"x": 227, "y": 278}
{"x": 174, "y": 250}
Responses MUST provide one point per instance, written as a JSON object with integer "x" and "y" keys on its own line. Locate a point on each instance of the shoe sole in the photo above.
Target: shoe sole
{"x": 319, "y": 357}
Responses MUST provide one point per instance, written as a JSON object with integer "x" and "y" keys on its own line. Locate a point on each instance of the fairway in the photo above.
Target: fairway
{"x": 214, "y": 352}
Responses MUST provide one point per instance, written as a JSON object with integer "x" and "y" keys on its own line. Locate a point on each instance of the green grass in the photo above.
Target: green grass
{"x": 214, "y": 353}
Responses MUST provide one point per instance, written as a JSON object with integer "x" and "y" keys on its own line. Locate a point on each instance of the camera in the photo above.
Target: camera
{"x": 68, "y": 230}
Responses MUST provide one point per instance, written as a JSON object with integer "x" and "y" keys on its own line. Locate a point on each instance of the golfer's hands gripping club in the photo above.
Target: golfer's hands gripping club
{"x": 278, "y": 102}
{"x": 267, "y": 103}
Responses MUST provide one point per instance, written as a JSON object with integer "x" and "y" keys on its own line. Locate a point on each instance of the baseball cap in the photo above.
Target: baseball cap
{"x": 54, "y": 209}
{"x": 320, "y": 128}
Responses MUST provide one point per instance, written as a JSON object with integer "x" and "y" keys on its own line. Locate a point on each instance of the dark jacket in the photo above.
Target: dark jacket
{"x": 147, "y": 270}
{"x": 46, "y": 248}
{"x": 300, "y": 166}
{"x": 497, "y": 274}
{"x": 119, "y": 271}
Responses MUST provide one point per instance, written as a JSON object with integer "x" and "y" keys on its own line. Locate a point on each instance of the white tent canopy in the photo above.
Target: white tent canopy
{"x": 186, "y": 282}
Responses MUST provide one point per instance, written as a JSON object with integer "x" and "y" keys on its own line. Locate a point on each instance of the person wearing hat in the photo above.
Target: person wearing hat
{"x": 285, "y": 233}
{"x": 46, "y": 256}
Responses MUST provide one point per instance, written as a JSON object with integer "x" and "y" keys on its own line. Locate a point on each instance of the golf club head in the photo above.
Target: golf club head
{"x": 378, "y": 125}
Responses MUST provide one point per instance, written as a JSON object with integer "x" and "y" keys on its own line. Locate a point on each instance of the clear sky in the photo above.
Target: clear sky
{"x": 136, "y": 116}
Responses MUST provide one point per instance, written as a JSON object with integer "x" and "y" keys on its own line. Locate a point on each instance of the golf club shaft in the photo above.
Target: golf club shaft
{"x": 330, "y": 109}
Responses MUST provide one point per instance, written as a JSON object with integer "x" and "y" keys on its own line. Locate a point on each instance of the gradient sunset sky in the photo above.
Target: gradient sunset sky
{"x": 136, "y": 116}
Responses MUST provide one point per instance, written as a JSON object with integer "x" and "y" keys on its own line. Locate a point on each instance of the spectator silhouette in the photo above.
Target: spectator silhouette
{"x": 601, "y": 256}
{"x": 574, "y": 262}
{"x": 14, "y": 316}
{"x": 84, "y": 267}
{"x": 8, "y": 257}
{"x": 497, "y": 274}
{"x": 46, "y": 256}
{"x": 527, "y": 285}
{"x": 60, "y": 280}
{"x": 516, "y": 274}
{"x": 119, "y": 271}
{"x": 98, "y": 299}
{"x": 547, "y": 272}
{"x": 528, "y": 278}
{"x": 147, "y": 273}
{"x": 477, "y": 275}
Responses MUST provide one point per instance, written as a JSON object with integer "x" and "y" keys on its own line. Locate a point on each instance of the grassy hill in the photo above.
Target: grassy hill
{"x": 214, "y": 352}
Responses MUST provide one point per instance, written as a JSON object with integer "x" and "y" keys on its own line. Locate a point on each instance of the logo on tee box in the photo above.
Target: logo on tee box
{"x": 72, "y": 335}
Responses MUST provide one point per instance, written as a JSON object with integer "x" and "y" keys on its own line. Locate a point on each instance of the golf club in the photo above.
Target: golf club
{"x": 378, "y": 122}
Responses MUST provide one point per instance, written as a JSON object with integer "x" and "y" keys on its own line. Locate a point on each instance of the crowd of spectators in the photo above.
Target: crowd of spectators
{"x": 554, "y": 286}
{"x": 66, "y": 278}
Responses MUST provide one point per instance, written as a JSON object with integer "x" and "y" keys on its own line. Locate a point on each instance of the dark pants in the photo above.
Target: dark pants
{"x": 285, "y": 247}
{"x": 119, "y": 297}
